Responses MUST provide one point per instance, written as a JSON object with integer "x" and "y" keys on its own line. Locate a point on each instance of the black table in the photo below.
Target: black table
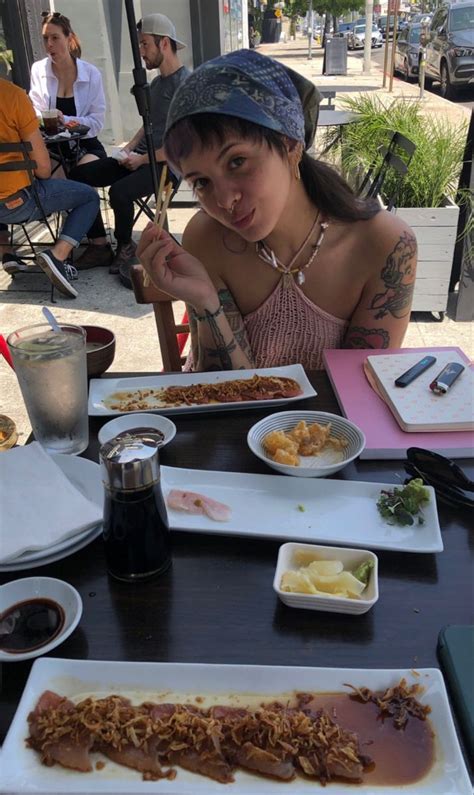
{"x": 216, "y": 604}
{"x": 56, "y": 152}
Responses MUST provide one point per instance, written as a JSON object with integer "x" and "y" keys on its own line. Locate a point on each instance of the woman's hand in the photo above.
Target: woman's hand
{"x": 175, "y": 271}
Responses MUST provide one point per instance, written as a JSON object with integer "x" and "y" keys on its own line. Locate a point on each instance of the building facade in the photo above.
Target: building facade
{"x": 208, "y": 27}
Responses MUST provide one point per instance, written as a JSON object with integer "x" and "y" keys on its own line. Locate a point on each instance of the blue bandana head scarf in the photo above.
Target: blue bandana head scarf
{"x": 250, "y": 86}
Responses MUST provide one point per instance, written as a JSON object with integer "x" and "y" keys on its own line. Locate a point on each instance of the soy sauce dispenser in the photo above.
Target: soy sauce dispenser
{"x": 136, "y": 534}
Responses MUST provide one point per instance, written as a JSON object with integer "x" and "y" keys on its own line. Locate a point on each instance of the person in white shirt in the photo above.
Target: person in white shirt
{"x": 64, "y": 81}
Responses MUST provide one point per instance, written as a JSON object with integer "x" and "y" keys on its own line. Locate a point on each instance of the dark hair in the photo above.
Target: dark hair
{"x": 56, "y": 18}
{"x": 157, "y": 39}
{"x": 324, "y": 186}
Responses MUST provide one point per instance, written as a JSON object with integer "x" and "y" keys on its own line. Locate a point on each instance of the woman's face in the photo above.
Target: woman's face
{"x": 243, "y": 176}
{"x": 56, "y": 43}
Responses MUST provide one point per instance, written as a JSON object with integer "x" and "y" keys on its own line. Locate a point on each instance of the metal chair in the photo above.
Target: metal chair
{"x": 28, "y": 165}
{"x": 396, "y": 156}
{"x": 172, "y": 336}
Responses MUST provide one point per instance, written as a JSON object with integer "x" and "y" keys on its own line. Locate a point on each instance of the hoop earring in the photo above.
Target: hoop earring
{"x": 296, "y": 170}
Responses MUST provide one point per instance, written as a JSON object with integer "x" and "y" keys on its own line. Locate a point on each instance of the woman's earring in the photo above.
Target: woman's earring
{"x": 296, "y": 166}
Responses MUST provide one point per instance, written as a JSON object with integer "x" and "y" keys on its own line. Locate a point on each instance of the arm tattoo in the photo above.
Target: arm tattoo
{"x": 235, "y": 321}
{"x": 366, "y": 338}
{"x": 398, "y": 276}
{"x": 221, "y": 350}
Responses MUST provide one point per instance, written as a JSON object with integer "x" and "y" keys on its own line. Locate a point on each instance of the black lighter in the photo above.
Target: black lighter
{"x": 446, "y": 378}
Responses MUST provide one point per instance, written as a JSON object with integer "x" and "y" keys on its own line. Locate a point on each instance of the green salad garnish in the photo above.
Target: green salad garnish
{"x": 401, "y": 505}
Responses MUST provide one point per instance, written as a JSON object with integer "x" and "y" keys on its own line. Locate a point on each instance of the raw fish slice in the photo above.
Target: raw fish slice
{"x": 192, "y": 502}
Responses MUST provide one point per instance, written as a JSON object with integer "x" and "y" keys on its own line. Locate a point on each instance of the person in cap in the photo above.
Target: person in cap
{"x": 128, "y": 173}
{"x": 283, "y": 260}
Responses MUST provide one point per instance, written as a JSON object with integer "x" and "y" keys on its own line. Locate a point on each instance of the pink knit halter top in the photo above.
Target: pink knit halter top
{"x": 288, "y": 329}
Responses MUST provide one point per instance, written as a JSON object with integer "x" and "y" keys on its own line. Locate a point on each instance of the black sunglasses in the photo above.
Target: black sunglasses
{"x": 446, "y": 477}
{"x": 52, "y": 14}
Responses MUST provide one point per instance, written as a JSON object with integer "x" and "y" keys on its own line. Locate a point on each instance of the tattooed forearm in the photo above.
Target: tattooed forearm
{"x": 220, "y": 350}
{"x": 236, "y": 322}
{"x": 209, "y": 348}
{"x": 398, "y": 276}
{"x": 366, "y": 338}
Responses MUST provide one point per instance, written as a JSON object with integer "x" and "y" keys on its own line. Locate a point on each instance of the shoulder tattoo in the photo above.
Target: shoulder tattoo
{"x": 398, "y": 276}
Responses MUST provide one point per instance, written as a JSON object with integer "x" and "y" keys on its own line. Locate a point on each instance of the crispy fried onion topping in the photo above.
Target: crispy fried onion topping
{"x": 240, "y": 389}
{"x": 399, "y": 702}
{"x": 273, "y": 739}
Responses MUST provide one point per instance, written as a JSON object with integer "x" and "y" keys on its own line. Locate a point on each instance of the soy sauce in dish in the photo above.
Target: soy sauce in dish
{"x": 28, "y": 625}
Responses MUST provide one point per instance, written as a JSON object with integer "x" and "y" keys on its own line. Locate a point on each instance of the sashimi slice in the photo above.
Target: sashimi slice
{"x": 192, "y": 502}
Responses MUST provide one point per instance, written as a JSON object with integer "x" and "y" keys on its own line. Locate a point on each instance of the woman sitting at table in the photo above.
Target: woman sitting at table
{"x": 283, "y": 260}
{"x": 64, "y": 81}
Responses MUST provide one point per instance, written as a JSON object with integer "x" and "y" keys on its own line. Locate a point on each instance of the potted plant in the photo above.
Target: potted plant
{"x": 426, "y": 196}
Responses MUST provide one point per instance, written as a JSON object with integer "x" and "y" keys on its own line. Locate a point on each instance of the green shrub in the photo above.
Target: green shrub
{"x": 436, "y": 164}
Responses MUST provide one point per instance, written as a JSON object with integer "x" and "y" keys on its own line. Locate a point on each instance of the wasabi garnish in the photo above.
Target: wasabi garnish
{"x": 362, "y": 572}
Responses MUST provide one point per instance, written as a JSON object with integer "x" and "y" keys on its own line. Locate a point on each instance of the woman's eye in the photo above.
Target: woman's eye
{"x": 236, "y": 162}
{"x": 199, "y": 183}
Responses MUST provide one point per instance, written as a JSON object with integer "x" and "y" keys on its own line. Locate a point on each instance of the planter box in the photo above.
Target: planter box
{"x": 435, "y": 230}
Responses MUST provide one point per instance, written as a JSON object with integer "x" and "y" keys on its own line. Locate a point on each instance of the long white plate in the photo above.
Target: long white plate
{"x": 321, "y": 511}
{"x": 101, "y": 388}
{"x": 85, "y": 476}
{"x": 22, "y": 771}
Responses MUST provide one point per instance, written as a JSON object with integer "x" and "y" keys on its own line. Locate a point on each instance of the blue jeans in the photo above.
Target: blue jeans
{"x": 81, "y": 202}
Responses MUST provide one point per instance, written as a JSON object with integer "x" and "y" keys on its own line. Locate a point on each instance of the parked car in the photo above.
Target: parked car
{"x": 356, "y": 38}
{"x": 407, "y": 51}
{"x": 345, "y": 28}
{"x": 425, "y": 19}
{"x": 450, "y": 47}
{"x": 382, "y": 24}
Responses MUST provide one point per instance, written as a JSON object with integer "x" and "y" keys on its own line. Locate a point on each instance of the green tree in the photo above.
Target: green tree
{"x": 335, "y": 9}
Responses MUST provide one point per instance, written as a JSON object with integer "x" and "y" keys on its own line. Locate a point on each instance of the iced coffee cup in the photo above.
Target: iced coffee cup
{"x": 51, "y": 368}
{"x": 51, "y": 121}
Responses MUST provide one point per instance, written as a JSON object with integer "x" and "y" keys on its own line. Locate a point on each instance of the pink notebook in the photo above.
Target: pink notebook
{"x": 360, "y": 404}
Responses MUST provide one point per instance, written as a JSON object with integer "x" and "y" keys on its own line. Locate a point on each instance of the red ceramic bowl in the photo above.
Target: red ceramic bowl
{"x": 100, "y": 346}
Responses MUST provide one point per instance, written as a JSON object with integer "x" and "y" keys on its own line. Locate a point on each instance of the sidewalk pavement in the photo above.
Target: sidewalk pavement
{"x": 104, "y": 301}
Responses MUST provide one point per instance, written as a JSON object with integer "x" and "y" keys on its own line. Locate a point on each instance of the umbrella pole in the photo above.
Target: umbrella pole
{"x": 141, "y": 92}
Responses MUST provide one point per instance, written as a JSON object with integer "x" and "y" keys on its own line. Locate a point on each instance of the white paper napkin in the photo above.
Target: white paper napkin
{"x": 39, "y": 506}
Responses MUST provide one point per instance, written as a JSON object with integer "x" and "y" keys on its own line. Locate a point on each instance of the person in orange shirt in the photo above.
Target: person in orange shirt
{"x": 18, "y": 202}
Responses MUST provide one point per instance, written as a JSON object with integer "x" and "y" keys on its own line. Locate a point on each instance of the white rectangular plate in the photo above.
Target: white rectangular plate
{"x": 332, "y": 511}
{"x": 22, "y": 771}
{"x": 101, "y": 388}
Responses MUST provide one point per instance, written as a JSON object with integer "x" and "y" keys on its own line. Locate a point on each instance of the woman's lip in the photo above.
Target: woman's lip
{"x": 244, "y": 221}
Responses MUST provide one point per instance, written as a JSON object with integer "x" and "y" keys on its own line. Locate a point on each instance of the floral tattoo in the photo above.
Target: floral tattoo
{"x": 398, "y": 276}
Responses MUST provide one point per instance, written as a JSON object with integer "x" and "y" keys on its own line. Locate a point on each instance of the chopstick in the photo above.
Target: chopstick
{"x": 162, "y": 203}
{"x": 164, "y": 174}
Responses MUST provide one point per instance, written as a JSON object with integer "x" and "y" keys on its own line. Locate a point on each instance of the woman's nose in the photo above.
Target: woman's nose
{"x": 227, "y": 197}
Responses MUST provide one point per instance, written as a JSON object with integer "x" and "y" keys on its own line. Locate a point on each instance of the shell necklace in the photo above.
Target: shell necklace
{"x": 268, "y": 255}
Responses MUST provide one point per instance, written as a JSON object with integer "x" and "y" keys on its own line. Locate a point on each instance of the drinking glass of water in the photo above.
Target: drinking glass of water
{"x": 51, "y": 368}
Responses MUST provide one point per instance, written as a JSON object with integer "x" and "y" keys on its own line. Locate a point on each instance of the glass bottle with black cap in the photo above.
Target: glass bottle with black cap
{"x": 136, "y": 534}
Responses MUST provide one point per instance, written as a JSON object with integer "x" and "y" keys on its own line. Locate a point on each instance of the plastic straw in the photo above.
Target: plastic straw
{"x": 5, "y": 352}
